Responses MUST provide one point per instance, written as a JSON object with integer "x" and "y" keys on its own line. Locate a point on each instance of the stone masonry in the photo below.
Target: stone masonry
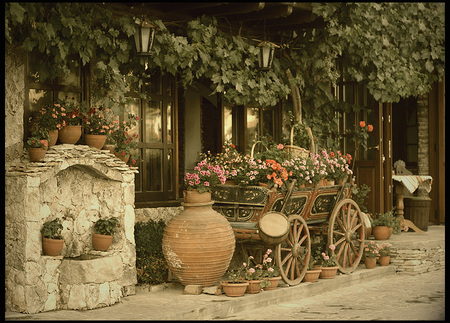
{"x": 79, "y": 185}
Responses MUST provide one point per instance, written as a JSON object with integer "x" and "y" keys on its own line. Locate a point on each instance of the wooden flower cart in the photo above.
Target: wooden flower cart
{"x": 288, "y": 221}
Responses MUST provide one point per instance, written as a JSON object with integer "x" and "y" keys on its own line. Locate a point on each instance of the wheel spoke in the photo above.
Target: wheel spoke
{"x": 350, "y": 257}
{"x": 339, "y": 221}
{"x": 337, "y": 243}
{"x": 344, "y": 260}
{"x": 299, "y": 232}
{"x": 349, "y": 210}
{"x": 292, "y": 267}
{"x": 343, "y": 223}
{"x": 356, "y": 228}
{"x": 294, "y": 231}
{"x": 303, "y": 239}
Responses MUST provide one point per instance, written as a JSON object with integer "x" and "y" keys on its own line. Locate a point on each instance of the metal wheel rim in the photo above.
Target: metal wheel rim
{"x": 347, "y": 233}
{"x": 292, "y": 255}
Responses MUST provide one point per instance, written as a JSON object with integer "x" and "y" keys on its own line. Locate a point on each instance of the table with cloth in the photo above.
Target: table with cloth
{"x": 412, "y": 183}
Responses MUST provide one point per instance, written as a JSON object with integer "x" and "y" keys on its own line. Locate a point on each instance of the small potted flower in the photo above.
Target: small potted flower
{"x": 71, "y": 117}
{"x": 123, "y": 137}
{"x": 199, "y": 183}
{"x": 37, "y": 145}
{"x": 52, "y": 240}
{"x": 105, "y": 229}
{"x": 370, "y": 253}
{"x": 328, "y": 263}
{"x": 48, "y": 119}
{"x": 313, "y": 271}
{"x": 383, "y": 225}
{"x": 235, "y": 285}
{"x": 385, "y": 254}
{"x": 96, "y": 126}
{"x": 270, "y": 271}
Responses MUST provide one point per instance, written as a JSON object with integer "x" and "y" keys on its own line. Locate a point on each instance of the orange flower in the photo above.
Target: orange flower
{"x": 362, "y": 124}
{"x": 370, "y": 128}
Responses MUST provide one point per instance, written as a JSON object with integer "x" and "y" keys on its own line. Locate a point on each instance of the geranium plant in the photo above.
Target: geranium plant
{"x": 327, "y": 260}
{"x": 384, "y": 249}
{"x": 48, "y": 118}
{"x": 70, "y": 111}
{"x": 120, "y": 136}
{"x": 250, "y": 171}
{"x": 230, "y": 159}
{"x": 38, "y": 140}
{"x": 204, "y": 177}
{"x": 371, "y": 250}
{"x": 97, "y": 122}
{"x": 269, "y": 269}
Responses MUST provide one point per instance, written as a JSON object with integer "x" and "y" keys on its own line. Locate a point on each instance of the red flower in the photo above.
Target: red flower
{"x": 370, "y": 128}
{"x": 232, "y": 146}
{"x": 362, "y": 124}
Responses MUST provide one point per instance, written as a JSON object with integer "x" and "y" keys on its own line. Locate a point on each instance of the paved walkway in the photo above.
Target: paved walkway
{"x": 346, "y": 297}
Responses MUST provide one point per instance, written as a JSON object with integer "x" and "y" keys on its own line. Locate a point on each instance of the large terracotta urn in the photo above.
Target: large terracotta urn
{"x": 69, "y": 134}
{"x": 198, "y": 244}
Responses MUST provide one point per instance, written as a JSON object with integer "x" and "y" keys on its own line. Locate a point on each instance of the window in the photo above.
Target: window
{"x": 242, "y": 125}
{"x": 39, "y": 94}
{"x": 156, "y": 183}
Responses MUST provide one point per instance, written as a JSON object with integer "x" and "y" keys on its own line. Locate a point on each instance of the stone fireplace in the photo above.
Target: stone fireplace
{"x": 79, "y": 185}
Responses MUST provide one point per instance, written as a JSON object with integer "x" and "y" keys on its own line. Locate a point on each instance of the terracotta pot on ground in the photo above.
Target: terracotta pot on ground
{"x": 273, "y": 283}
{"x": 53, "y": 137}
{"x": 253, "y": 286}
{"x": 312, "y": 275}
{"x": 96, "y": 141}
{"x": 381, "y": 232}
{"x": 36, "y": 154}
{"x": 69, "y": 134}
{"x": 52, "y": 247}
{"x": 328, "y": 272}
{"x": 123, "y": 158}
{"x": 370, "y": 263}
{"x": 234, "y": 289}
{"x": 101, "y": 242}
{"x": 384, "y": 260}
{"x": 198, "y": 244}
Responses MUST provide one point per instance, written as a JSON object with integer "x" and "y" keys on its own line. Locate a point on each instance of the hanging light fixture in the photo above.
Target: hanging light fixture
{"x": 144, "y": 38}
{"x": 266, "y": 52}
{"x": 265, "y": 55}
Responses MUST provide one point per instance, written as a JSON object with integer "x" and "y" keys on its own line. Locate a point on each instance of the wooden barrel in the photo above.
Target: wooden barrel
{"x": 273, "y": 227}
{"x": 417, "y": 209}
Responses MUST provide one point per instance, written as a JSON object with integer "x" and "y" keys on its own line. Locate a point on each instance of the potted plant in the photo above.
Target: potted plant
{"x": 105, "y": 229}
{"x": 96, "y": 127}
{"x": 122, "y": 136}
{"x": 52, "y": 240}
{"x": 313, "y": 271}
{"x": 383, "y": 225}
{"x": 37, "y": 145}
{"x": 235, "y": 285}
{"x": 199, "y": 183}
{"x": 71, "y": 117}
{"x": 48, "y": 119}
{"x": 328, "y": 263}
{"x": 270, "y": 271}
{"x": 370, "y": 253}
{"x": 254, "y": 275}
{"x": 384, "y": 254}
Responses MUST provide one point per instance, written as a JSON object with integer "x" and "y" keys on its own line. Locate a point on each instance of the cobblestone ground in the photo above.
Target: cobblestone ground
{"x": 401, "y": 297}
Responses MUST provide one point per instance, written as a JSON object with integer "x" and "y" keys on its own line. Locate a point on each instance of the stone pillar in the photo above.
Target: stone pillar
{"x": 423, "y": 151}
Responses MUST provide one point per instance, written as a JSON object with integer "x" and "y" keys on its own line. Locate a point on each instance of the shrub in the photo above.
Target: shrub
{"x": 151, "y": 265}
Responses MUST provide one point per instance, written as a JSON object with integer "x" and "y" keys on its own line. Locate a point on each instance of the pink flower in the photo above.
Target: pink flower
{"x": 332, "y": 247}
{"x": 280, "y": 146}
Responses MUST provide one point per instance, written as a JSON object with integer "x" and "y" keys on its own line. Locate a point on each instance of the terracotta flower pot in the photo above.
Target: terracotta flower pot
{"x": 384, "y": 260}
{"x": 194, "y": 196}
{"x": 109, "y": 147}
{"x": 328, "y": 272}
{"x": 312, "y": 276}
{"x": 370, "y": 263}
{"x": 69, "y": 134}
{"x": 36, "y": 154}
{"x": 96, "y": 141}
{"x": 381, "y": 232}
{"x": 234, "y": 289}
{"x": 273, "y": 283}
{"x": 52, "y": 247}
{"x": 101, "y": 242}
{"x": 253, "y": 286}
{"x": 53, "y": 137}
{"x": 123, "y": 158}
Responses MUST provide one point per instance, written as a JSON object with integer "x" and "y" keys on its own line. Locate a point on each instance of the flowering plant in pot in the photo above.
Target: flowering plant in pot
{"x": 202, "y": 180}
{"x": 123, "y": 136}
{"x": 97, "y": 125}
{"x": 37, "y": 145}
{"x": 385, "y": 254}
{"x": 105, "y": 229}
{"x": 235, "y": 285}
{"x": 383, "y": 225}
{"x": 250, "y": 171}
{"x": 270, "y": 271}
{"x": 47, "y": 119}
{"x": 254, "y": 275}
{"x": 52, "y": 240}
{"x": 71, "y": 117}
{"x": 298, "y": 168}
{"x": 328, "y": 263}
{"x": 230, "y": 159}
{"x": 371, "y": 253}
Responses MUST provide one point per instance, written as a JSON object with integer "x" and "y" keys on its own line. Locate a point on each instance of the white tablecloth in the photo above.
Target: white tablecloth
{"x": 412, "y": 182}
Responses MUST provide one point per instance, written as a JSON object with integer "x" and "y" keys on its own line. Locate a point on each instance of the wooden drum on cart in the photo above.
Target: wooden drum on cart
{"x": 273, "y": 227}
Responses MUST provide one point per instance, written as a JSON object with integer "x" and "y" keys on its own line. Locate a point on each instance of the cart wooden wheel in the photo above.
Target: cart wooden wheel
{"x": 292, "y": 255}
{"x": 346, "y": 232}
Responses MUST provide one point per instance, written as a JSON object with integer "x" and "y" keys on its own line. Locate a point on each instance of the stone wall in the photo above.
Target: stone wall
{"x": 156, "y": 214}
{"x": 423, "y": 154}
{"x": 78, "y": 184}
{"x": 14, "y": 101}
{"x": 418, "y": 260}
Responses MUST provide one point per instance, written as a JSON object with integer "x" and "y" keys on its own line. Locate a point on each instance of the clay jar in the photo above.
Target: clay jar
{"x": 198, "y": 244}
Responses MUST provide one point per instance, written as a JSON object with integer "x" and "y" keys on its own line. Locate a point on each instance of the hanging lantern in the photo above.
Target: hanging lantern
{"x": 265, "y": 55}
{"x": 144, "y": 38}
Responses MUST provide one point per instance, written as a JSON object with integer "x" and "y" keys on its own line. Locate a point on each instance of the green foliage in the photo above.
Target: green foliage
{"x": 387, "y": 219}
{"x": 151, "y": 265}
{"x": 52, "y": 229}
{"x": 106, "y": 226}
{"x": 360, "y": 194}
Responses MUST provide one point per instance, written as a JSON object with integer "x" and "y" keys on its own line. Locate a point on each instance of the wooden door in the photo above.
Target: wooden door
{"x": 374, "y": 166}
